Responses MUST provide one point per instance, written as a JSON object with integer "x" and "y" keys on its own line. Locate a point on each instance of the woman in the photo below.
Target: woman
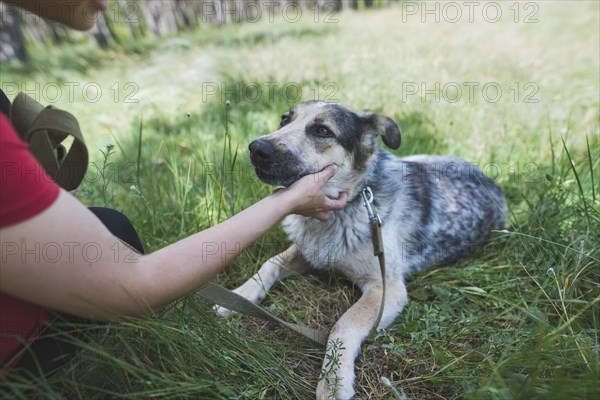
{"x": 37, "y": 216}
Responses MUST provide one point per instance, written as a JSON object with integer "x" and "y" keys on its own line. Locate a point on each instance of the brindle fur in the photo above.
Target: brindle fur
{"x": 434, "y": 209}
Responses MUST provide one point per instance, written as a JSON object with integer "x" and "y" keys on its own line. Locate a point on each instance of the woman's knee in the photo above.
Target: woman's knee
{"x": 119, "y": 225}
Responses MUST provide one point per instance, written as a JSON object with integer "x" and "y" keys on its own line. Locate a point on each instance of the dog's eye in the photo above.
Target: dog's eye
{"x": 285, "y": 119}
{"x": 324, "y": 131}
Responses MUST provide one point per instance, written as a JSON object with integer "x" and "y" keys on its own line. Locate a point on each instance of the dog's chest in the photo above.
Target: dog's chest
{"x": 343, "y": 242}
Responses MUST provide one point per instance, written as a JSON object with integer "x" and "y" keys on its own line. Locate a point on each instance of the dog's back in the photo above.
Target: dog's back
{"x": 457, "y": 206}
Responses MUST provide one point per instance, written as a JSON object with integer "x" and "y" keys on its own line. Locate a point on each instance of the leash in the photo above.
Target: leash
{"x": 226, "y": 298}
{"x": 233, "y": 301}
{"x": 377, "y": 238}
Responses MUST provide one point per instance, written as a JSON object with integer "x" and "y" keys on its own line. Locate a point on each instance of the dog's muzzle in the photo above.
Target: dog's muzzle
{"x": 273, "y": 166}
{"x": 261, "y": 151}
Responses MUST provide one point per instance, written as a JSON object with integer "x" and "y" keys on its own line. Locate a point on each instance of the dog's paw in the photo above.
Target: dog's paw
{"x": 338, "y": 392}
{"x": 223, "y": 312}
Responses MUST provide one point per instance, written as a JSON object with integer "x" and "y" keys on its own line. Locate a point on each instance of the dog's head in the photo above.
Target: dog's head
{"x": 315, "y": 134}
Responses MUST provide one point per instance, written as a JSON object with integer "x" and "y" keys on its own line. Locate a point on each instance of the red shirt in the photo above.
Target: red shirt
{"x": 25, "y": 191}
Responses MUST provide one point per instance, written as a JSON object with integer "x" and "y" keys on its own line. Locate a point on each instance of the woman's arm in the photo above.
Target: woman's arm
{"x": 65, "y": 259}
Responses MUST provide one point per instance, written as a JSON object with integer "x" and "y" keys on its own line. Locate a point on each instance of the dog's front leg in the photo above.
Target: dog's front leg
{"x": 337, "y": 375}
{"x": 281, "y": 266}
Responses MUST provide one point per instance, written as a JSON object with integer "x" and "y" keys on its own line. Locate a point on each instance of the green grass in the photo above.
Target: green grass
{"x": 518, "y": 319}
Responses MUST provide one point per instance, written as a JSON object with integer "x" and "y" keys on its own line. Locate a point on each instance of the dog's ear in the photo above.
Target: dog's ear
{"x": 387, "y": 128}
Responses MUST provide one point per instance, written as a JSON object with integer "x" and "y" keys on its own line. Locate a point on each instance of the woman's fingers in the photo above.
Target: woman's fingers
{"x": 307, "y": 198}
{"x": 322, "y": 215}
{"x": 327, "y": 173}
{"x": 339, "y": 203}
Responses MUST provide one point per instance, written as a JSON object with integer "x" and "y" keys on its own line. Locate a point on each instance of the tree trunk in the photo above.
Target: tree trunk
{"x": 160, "y": 17}
{"x": 11, "y": 36}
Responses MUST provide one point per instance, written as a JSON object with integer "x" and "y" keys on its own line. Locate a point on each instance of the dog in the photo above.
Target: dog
{"x": 434, "y": 209}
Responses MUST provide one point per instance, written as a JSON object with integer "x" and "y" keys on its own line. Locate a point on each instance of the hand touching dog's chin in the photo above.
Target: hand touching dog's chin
{"x": 332, "y": 189}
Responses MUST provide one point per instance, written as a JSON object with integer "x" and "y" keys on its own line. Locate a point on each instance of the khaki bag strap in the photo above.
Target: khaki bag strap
{"x": 44, "y": 129}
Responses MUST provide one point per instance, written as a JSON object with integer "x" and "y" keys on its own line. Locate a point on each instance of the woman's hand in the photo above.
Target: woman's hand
{"x": 306, "y": 198}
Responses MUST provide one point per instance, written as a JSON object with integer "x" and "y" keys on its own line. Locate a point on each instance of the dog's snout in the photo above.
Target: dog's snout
{"x": 261, "y": 150}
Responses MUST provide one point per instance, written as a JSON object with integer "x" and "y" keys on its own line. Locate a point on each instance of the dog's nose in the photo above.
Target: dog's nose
{"x": 261, "y": 150}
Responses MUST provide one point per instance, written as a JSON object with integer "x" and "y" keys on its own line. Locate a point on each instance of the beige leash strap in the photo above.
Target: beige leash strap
{"x": 377, "y": 238}
{"x": 233, "y": 301}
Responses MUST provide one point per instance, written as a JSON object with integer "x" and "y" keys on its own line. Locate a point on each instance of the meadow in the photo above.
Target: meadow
{"x": 519, "y": 97}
